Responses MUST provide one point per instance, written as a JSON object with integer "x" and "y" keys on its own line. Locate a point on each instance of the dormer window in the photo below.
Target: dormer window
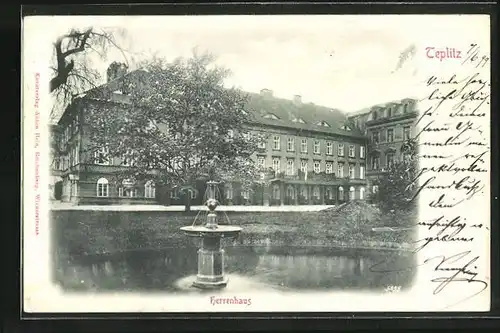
{"x": 299, "y": 120}
{"x": 345, "y": 128}
{"x": 271, "y": 116}
{"x": 323, "y": 123}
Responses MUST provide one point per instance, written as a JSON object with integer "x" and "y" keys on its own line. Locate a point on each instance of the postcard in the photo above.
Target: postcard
{"x": 298, "y": 163}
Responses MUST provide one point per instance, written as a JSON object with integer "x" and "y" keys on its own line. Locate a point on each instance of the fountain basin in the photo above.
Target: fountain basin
{"x": 221, "y": 231}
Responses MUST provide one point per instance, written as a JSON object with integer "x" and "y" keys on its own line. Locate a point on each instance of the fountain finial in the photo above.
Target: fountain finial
{"x": 212, "y": 203}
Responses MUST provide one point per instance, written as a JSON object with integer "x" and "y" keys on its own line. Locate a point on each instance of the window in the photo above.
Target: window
{"x": 303, "y": 146}
{"x": 330, "y": 193}
{"x": 245, "y": 194}
{"x": 362, "y": 151}
{"x": 317, "y": 166}
{"x": 290, "y": 166}
{"x": 303, "y": 166}
{"x": 374, "y": 115}
{"x": 102, "y": 187}
{"x": 346, "y": 128}
{"x": 174, "y": 194}
{"x": 101, "y": 156}
{"x": 329, "y": 148}
{"x": 375, "y": 189}
{"x": 341, "y": 149}
{"x": 127, "y": 159}
{"x": 229, "y": 192}
{"x": 271, "y": 116}
{"x": 340, "y": 170}
{"x": 299, "y": 120}
{"x": 276, "y": 165}
{"x": 351, "y": 171}
{"x": 77, "y": 153}
{"x": 390, "y": 135}
{"x": 329, "y": 167}
{"x": 405, "y": 108}
{"x": 341, "y": 193}
{"x": 361, "y": 172}
{"x": 317, "y": 148}
{"x": 149, "y": 190}
{"x": 352, "y": 151}
{"x": 290, "y": 144}
{"x": 303, "y": 192}
{"x": 352, "y": 193}
{"x": 289, "y": 192}
{"x": 390, "y": 159}
{"x": 389, "y": 112}
{"x": 262, "y": 142}
{"x": 194, "y": 193}
{"x": 375, "y": 162}
{"x": 276, "y": 142}
{"x": 316, "y": 192}
{"x": 406, "y": 133}
{"x": 322, "y": 123}
{"x": 74, "y": 189}
{"x": 375, "y": 137}
{"x": 261, "y": 162}
{"x": 276, "y": 192}
{"x": 362, "y": 193}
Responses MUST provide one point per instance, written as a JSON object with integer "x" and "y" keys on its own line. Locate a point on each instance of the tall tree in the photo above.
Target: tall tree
{"x": 72, "y": 64}
{"x": 181, "y": 125}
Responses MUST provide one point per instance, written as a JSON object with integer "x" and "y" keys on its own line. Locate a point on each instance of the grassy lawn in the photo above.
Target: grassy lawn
{"x": 92, "y": 232}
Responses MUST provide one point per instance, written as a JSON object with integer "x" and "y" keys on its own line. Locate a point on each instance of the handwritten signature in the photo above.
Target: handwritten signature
{"x": 459, "y": 272}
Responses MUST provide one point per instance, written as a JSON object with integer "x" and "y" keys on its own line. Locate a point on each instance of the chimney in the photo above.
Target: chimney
{"x": 297, "y": 100}
{"x": 266, "y": 92}
{"x": 116, "y": 70}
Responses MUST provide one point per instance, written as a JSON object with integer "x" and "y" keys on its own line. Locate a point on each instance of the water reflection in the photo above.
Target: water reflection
{"x": 283, "y": 268}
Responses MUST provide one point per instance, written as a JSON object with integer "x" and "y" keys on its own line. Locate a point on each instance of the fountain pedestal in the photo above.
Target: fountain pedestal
{"x": 211, "y": 254}
{"x": 210, "y": 264}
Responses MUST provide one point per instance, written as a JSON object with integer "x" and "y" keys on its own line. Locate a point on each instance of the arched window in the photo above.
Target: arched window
{"x": 290, "y": 192}
{"x": 276, "y": 192}
{"x": 102, "y": 187}
{"x": 194, "y": 194}
{"x": 316, "y": 192}
{"x": 304, "y": 192}
{"x": 362, "y": 193}
{"x": 149, "y": 190}
{"x": 341, "y": 193}
{"x": 229, "y": 192}
{"x": 352, "y": 193}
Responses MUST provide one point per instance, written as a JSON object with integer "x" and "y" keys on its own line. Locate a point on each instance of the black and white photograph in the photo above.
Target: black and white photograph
{"x": 256, "y": 163}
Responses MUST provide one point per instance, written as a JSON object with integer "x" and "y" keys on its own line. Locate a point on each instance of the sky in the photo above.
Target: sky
{"x": 344, "y": 62}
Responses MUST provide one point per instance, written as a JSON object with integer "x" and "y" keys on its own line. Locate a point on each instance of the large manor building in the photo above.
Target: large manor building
{"x": 315, "y": 154}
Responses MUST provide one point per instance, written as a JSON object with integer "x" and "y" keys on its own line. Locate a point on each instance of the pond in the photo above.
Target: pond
{"x": 253, "y": 268}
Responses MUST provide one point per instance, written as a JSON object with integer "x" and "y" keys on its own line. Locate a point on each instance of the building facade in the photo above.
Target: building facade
{"x": 312, "y": 154}
{"x": 387, "y": 127}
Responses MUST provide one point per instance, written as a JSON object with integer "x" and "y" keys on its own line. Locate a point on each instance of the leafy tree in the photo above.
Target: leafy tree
{"x": 397, "y": 187}
{"x": 179, "y": 125}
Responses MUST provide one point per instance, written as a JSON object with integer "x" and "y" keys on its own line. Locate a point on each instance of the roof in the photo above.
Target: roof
{"x": 288, "y": 112}
{"x": 378, "y": 106}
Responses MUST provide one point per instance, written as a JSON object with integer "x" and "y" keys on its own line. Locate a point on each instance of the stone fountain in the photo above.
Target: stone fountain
{"x": 211, "y": 254}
